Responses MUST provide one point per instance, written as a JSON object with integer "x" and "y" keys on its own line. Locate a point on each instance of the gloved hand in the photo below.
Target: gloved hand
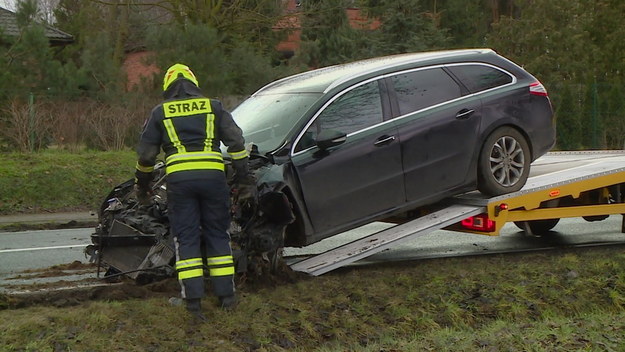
{"x": 246, "y": 189}
{"x": 246, "y": 192}
{"x": 144, "y": 194}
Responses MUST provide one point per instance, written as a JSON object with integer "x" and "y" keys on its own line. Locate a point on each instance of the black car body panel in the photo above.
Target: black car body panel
{"x": 414, "y": 125}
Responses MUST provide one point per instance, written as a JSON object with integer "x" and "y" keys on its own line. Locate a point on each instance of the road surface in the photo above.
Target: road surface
{"x": 25, "y": 250}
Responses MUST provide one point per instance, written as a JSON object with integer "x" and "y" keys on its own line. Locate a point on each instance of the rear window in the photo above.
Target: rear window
{"x": 480, "y": 77}
{"x": 417, "y": 90}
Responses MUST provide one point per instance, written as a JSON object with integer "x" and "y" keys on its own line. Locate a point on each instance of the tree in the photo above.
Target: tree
{"x": 236, "y": 68}
{"x": 577, "y": 43}
{"x": 29, "y": 62}
{"x": 248, "y": 20}
{"x": 467, "y": 21}
{"x": 406, "y": 27}
{"x": 102, "y": 33}
{"x": 569, "y": 105}
{"x": 329, "y": 38}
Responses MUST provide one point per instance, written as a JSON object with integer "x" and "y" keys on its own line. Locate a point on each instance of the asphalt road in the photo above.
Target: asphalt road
{"x": 20, "y": 251}
{"x": 41, "y": 249}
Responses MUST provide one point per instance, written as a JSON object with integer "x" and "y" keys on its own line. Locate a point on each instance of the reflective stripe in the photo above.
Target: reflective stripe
{"x": 142, "y": 168}
{"x": 210, "y": 132}
{"x": 193, "y": 156}
{"x": 239, "y": 155}
{"x": 196, "y": 165}
{"x": 222, "y": 271}
{"x": 194, "y": 161}
{"x": 187, "y": 263}
{"x": 226, "y": 259}
{"x": 189, "y": 274}
{"x": 173, "y": 136}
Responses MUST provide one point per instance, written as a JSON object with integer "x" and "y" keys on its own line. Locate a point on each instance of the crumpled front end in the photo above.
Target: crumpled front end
{"x": 258, "y": 226}
{"x": 134, "y": 240}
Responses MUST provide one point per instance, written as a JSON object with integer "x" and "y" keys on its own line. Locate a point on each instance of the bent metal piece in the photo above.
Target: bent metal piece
{"x": 364, "y": 247}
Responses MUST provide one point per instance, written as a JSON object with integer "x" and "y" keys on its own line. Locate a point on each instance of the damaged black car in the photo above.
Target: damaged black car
{"x": 339, "y": 147}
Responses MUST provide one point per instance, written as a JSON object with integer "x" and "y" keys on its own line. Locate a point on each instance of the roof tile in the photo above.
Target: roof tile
{"x": 8, "y": 25}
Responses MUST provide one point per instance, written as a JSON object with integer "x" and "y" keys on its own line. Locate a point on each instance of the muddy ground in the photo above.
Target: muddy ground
{"x": 64, "y": 292}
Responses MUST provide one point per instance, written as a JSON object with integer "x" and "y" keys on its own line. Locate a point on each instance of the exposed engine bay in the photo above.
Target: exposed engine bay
{"x": 133, "y": 239}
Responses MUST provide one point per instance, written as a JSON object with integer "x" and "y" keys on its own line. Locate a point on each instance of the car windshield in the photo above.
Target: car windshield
{"x": 266, "y": 119}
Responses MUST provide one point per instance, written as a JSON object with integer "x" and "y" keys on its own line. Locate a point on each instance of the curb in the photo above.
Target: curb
{"x": 43, "y": 221}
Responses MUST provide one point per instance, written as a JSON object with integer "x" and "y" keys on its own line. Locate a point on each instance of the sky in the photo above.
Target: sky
{"x": 45, "y": 7}
{"x": 8, "y": 4}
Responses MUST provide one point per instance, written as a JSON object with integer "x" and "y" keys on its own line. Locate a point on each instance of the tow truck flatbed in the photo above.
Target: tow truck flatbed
{"x": 561, "y": 184}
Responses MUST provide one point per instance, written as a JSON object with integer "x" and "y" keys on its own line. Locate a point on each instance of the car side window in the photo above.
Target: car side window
{"x": 355, "y": 110}
{"x": 480, "y": 77}
{"x": 417, "y": 90}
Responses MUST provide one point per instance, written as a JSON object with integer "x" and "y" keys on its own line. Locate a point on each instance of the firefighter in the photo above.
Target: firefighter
{"x": 189, "y": 127}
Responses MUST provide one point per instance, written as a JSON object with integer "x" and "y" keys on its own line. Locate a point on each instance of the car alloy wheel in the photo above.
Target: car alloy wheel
{"x": 504, "y": 162}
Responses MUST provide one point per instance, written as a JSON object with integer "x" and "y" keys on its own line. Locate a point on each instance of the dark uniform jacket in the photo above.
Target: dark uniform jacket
{"x": 189, "y": 127}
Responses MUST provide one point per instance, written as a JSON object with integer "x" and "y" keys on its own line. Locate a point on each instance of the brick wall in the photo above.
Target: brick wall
{"x": 137, "y": 68}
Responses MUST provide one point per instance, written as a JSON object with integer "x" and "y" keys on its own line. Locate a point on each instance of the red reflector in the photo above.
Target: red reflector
{"x": 537, "y": 88}
{"x": 479, "y": 223}
{"x": 554, "y": 193}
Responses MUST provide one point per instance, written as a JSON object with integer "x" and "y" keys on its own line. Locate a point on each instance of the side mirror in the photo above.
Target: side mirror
{"x": 330, "y": 138}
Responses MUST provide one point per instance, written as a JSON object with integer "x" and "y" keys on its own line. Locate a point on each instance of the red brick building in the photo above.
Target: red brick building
{"x": 291, "y": 22}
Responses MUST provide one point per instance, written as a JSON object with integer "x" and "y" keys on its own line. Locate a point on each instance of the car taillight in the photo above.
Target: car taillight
{"x": 537, "y": 88}
{"x": 479, "y": 223}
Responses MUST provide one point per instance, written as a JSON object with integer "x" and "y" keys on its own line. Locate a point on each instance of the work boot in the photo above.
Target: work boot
{"x": 227, "y": 302}
{"x": 194, "y": 307}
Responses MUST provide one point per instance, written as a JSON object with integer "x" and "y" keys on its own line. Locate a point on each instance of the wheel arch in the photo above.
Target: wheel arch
{"x": 295, "y": 234}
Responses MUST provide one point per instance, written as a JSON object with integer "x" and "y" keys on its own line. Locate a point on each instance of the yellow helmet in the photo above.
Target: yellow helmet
{"x": 174, "y": 72}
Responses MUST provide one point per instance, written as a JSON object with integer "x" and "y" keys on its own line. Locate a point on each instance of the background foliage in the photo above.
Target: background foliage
{"x": 77, "y": 96}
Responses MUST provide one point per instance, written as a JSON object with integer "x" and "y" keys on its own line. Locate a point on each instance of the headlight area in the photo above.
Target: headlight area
{"x": 257, "y": 231}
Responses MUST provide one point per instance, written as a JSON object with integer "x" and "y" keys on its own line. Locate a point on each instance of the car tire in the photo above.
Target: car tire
{"x": 504, "y": 162}
{"x": 539, "y": 227}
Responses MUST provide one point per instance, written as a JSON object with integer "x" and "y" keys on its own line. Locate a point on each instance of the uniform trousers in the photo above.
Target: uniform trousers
{"x": 199, "y": 218}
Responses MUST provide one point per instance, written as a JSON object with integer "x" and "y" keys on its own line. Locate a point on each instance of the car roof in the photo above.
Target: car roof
{"x": 323, "y": 79}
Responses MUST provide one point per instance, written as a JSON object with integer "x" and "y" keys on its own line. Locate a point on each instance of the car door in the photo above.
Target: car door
{"x": 358, "y": 178}
{"x": 438, "y": 126}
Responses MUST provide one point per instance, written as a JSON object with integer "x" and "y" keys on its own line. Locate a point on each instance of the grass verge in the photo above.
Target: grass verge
{"x": 60, "y": 181}
{"x": 567, "y": 300}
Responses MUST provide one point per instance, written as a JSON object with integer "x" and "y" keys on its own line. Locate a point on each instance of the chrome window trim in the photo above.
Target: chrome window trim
{"x": 417, "y": 58}
{"x": 343, "y": 92}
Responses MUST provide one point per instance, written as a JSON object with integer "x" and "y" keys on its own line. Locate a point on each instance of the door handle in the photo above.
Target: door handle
{"x": 384, "y": 140}
{"x": 464, "y": 114}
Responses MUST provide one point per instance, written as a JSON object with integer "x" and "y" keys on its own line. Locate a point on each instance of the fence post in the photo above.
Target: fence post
{"x": 31, "y": 121}
{"x": 595, "y": 115}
